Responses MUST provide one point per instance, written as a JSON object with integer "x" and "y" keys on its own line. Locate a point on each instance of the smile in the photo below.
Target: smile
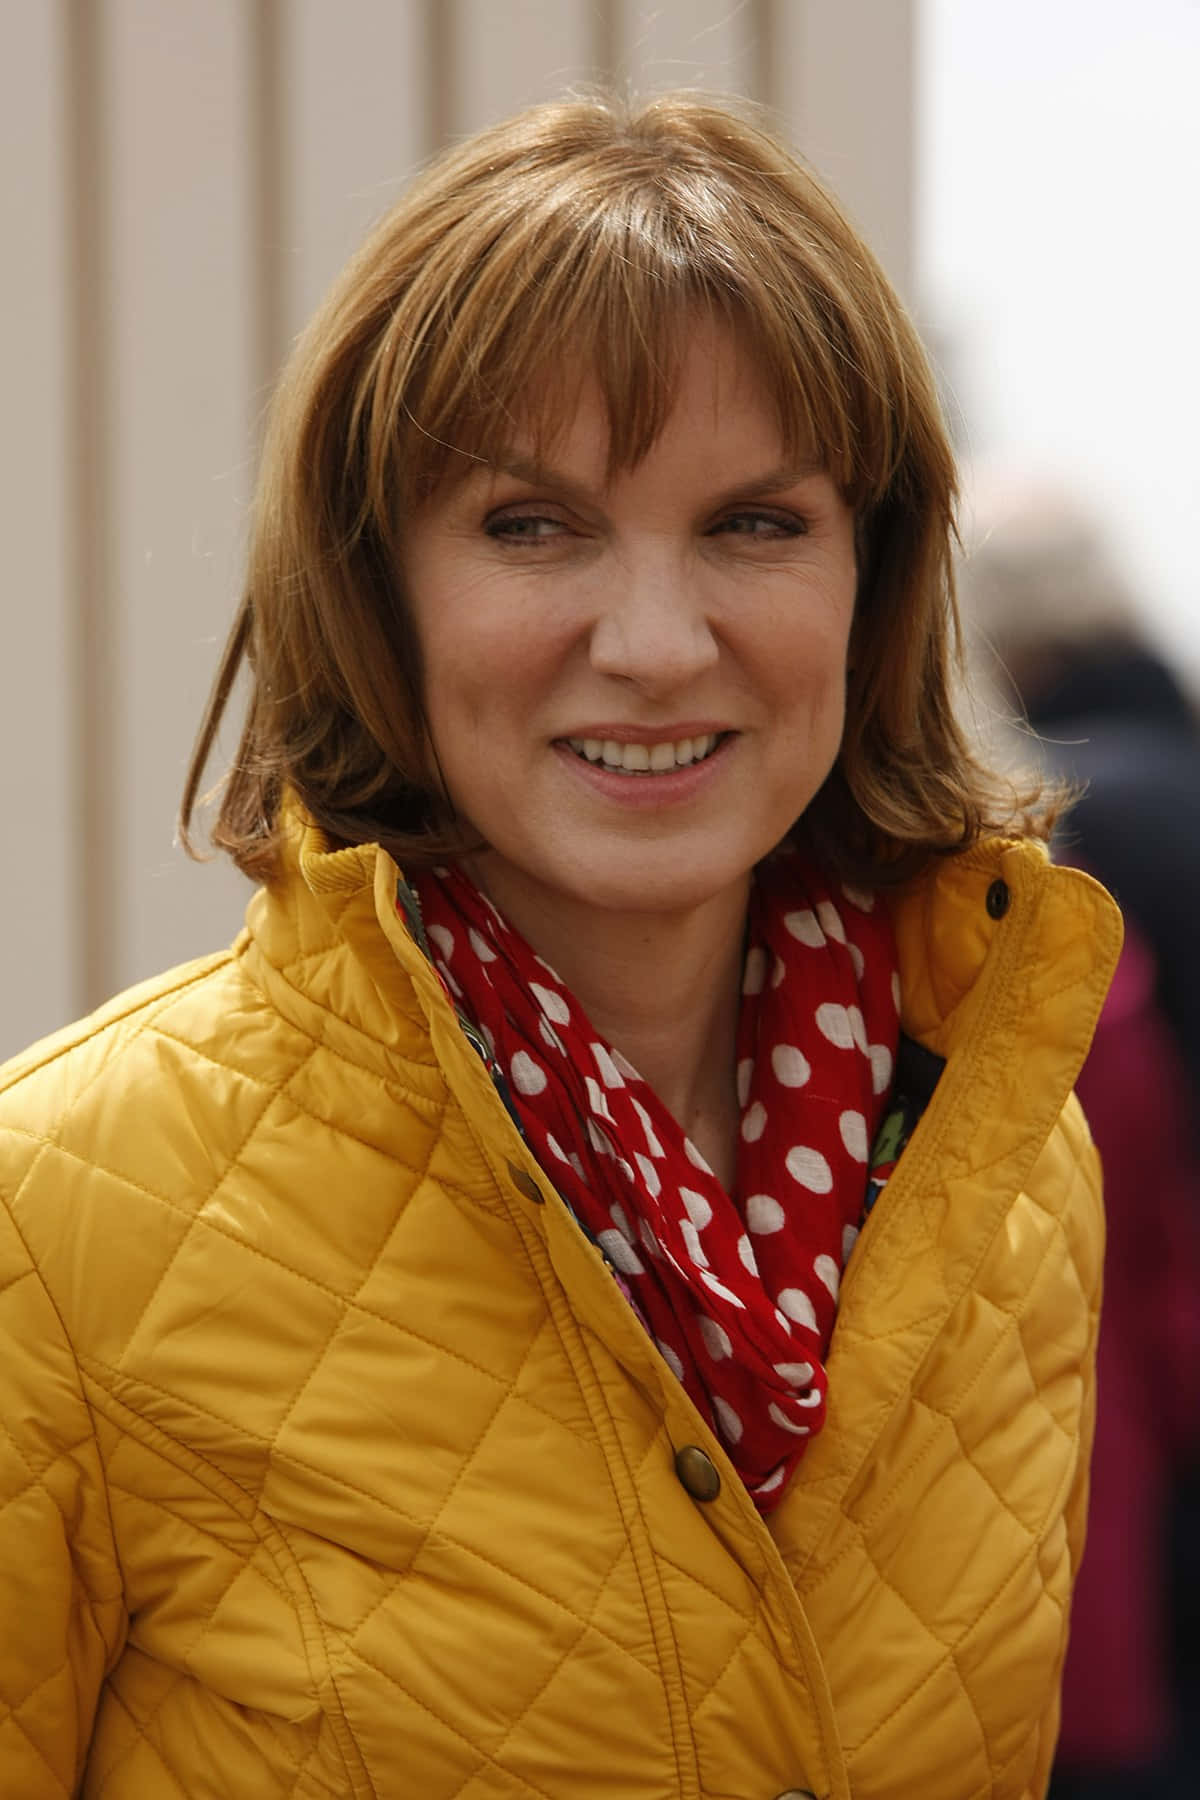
{"x": 646, "y": 759}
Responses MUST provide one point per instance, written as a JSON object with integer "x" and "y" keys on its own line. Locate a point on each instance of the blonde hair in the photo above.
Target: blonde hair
{"x": 583, "y": 238}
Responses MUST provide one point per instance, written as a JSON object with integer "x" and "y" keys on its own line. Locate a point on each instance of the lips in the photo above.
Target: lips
{"x": 633, "y": 758}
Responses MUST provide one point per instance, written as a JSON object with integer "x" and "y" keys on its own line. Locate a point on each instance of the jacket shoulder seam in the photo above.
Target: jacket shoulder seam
{"x": 95, "y": 1025}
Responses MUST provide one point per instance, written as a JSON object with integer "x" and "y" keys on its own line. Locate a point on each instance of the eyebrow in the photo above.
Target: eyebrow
{"x": 771, "y": 481}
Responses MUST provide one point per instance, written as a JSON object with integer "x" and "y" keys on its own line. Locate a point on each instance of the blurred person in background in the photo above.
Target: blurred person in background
{"x": 595, "y": 1293}
{"x": 1058, "y": 636}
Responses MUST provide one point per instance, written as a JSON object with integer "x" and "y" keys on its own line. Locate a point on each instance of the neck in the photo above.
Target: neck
{"x": 662, "y": 988}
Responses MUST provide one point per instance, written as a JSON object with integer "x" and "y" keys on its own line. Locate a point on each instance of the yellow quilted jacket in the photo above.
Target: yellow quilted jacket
{"x": 333, "y": 1462}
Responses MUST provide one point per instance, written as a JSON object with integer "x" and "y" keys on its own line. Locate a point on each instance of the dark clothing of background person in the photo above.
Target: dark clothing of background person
{"x": 1114, "y": 719}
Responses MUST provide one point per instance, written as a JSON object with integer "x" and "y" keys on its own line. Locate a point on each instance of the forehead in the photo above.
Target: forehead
{"x": 717, "y": 406}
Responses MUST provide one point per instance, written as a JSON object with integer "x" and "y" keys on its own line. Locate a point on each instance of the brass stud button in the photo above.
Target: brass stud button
{"x": 997, "y": 899}
{"x": 697, "y": 1472}
{"x": 524, "y": 1183}
{"x": 796, "y": 1794}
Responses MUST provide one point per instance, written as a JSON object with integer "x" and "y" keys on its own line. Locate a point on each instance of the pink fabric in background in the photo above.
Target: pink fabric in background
{"x": 1133, "y": 1089}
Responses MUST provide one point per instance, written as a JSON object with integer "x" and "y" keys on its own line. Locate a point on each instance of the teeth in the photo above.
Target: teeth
{"x": 644, "y": 759}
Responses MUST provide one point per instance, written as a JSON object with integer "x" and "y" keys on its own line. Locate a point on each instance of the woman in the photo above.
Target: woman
{"x": 424, "y": 1376}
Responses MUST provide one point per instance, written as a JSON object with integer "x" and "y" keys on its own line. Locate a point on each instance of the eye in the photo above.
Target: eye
{"x": 524, "y": 528}
{"x": 759, "y": 524}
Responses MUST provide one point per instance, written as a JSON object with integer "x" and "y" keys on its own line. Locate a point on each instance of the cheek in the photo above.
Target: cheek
{"x": 813, "y": 649}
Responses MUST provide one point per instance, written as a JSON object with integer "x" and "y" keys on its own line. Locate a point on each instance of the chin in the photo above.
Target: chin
{"x": 657, "y": 883}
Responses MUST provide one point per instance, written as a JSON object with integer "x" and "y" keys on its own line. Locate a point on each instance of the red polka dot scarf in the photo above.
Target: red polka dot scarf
{"x": 739, "y": 1291}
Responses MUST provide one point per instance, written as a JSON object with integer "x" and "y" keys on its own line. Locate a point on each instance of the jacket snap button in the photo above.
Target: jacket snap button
{"x": 524, "y": 1183}
{"x": 997, "y": 899}
{"x": 796, "y": 1794}
{"x": 697, "y": 1472}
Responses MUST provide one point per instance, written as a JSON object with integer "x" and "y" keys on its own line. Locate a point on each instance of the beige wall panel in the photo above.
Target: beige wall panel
{"x": 356, "y": 102}
{"x": 230, "y": 156}
{"x": 181, "y": 337}
{"x": 842, "y": 85}
{"x": 686, "y": 43}
{"x": 39, "y": 975}
{"x": 506, "y": 56}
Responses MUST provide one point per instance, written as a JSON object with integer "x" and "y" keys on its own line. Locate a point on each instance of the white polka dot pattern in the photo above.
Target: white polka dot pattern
{"x": 697, "y": 1207}
{"x": 797, "y": 1375}
{"x": 795, "y": 1304}
{"x": 728, "y": 1423}
{"x": 805, "y": 928}
{"x": 808, "y": 1167}
{"x": 833, "y": 1022}
{"x": 831, "y": 921}
{"x": 691, "y": 1239}
{"x": 880, "y": 1058}
{"x": 649, "y": 1173}
{"x": 739, "y": 1294}
{"x": 754, "y": 1122}
{"x": 610, "y": 1075}
{"x": 695, "y": 1158}
{"x": 716, "y": 1338}
{"x": 623, "y": 1256}
{"x": 790, "y": 1066}
{"x": 764, "y": 1215}
{"x": 443, "y": 939}
{"x": 528, "y": 1076}
{"x": 828, "y": 1274}
{"x": 853, "y": 1128}
{"x": 552, "y": 1004}
{"x": 786, "y": 1421}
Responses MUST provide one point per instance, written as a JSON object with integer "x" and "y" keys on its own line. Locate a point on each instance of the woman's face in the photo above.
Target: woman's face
{"x": 636, "y": 685}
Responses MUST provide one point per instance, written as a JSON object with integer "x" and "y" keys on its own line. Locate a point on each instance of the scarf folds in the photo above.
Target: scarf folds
{"x": 739, "y": 1291}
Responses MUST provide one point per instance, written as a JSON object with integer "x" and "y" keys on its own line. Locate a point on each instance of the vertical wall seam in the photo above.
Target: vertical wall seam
{"x": 441, "y": 47}
{"x": 92, "y": 663}
{"x": 607, "y": 47}
{"x": 268, "y": 200}
{"x": 766, "y": 87}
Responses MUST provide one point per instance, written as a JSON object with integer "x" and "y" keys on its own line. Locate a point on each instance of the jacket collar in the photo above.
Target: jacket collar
{"x": 331, "y": 910}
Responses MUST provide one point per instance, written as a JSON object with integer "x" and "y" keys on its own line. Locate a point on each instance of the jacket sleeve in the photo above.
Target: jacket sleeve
{"x": 1075, "y": 1511}
{"x": 61, "y": 1610}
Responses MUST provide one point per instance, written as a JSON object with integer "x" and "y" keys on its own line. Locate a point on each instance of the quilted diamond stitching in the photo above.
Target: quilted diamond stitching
{"x": 429, "y": 1534}
{"x": 196, "y": 1223}
{"x": 238, "y": 1558}
{"x": 435, "y": 1536}
{"x": 554, "y": 1672}
{"x": 141, "y": 1736}
{"x": 214, "y": 1225}
{"x": 12, "y": 1717}
{"x": 484, "y": 1760}
{"x": 473, "y": 1552}
{"x": 109, "y": 1025}
{"x": 668, "y": 1562}
{"x": 38, "y": 1478}
{"x": 919, "y": 1397}
{"x": 402, "y": 1096}
{"x": 251, "y": 1514}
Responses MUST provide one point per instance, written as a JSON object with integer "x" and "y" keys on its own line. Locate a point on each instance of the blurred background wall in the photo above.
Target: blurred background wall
{"x": 182, "y": 178}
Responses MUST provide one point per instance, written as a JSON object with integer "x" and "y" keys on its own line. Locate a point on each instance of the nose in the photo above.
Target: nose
{"x": 652, "y": 628}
